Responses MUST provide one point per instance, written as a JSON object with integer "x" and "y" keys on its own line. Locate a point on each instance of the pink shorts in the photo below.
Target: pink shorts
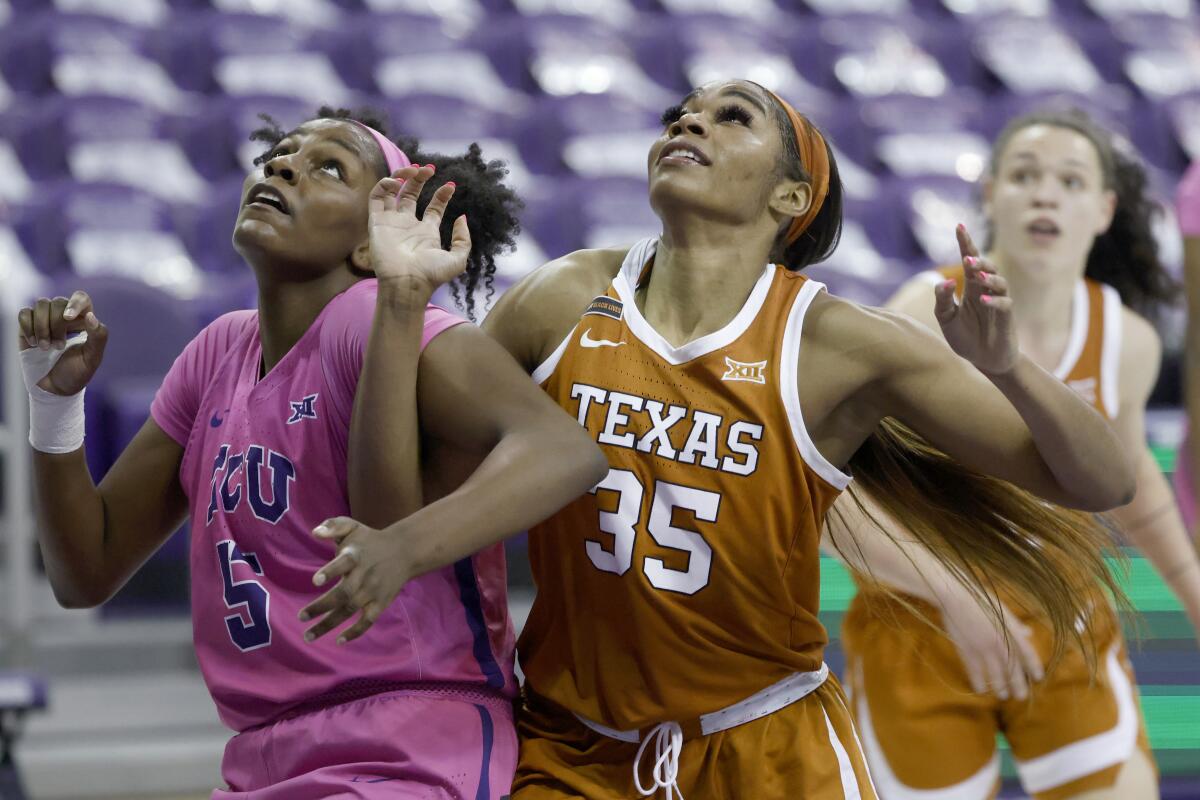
{"x": 402, "y": 745}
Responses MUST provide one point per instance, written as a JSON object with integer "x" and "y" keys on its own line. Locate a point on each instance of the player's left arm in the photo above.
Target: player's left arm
{"x": 472, "y": 397}
{"x": 1151, "y": 521}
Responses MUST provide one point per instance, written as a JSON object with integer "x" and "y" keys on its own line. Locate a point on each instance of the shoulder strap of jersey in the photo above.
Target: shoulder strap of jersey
{"x": 610, "y": 304}
{"x": 1110, "y": 352}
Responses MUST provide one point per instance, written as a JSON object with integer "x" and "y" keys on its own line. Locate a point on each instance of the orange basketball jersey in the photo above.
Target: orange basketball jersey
{"x": 687, "y": 580}
{"x": 1090, "y": 364}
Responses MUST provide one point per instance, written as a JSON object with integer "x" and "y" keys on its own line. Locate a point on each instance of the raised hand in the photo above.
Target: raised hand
{"x": 46, "y": 326}
{"x": 372, "y": 569}
{"x": 979, "y": 327}
{"x": 405, "y": 249}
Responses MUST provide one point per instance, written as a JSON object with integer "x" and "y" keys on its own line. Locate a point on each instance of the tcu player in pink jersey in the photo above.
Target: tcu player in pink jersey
{"x": 275, "y": 420}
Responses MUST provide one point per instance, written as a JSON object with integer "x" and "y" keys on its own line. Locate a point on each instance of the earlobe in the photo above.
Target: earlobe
{"x": 361, "y": 257}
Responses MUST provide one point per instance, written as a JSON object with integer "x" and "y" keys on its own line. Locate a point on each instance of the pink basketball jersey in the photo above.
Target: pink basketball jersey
{"x": 264, "y": 462}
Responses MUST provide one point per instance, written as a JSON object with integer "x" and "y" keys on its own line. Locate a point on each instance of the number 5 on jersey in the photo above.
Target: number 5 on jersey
{"x": 622, "y": 525}
{"x": 248, "y": 595}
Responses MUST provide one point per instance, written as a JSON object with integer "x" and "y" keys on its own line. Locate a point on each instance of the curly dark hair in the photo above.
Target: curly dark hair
{"x": 1126, "y": 255}
{"x": 480, "y": 192}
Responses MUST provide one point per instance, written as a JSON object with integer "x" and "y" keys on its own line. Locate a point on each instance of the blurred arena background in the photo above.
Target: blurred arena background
{"x": 123, "y": 144}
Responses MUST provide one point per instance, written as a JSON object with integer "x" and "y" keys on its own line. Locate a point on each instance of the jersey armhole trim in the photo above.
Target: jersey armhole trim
{"x": 790, "y": 389}
{"x": 547, "y": 367}
{"x": 1110, "y": 353}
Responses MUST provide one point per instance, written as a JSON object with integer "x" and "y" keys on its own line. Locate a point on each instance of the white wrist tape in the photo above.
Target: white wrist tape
{"x": 55, "y": 421}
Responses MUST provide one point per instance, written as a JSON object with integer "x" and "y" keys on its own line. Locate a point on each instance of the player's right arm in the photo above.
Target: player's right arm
{"x": 93, "y": 537}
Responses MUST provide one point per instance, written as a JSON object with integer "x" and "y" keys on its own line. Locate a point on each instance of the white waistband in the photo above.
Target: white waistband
{"x": 771, "y": 699}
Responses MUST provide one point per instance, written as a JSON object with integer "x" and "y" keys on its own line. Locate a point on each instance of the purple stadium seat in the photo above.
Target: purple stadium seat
{"x": 1160, "y": 53}
{"x": 589, "y": 134}
{"x": 108, "y": 229}
{"x": 247, "y": 54}
{"x": 22, "y": 279}
{"x": 927, "y": 136}
{"x": 572, "y": 55}
{"x": 618, "y": 11}
{"x": 15, "y": 181}
{"x": 456, "y": 12}
{"x": 432, "y": 116}
{"x": 131, "y": 12}
{"x": 932, "y": 208}
{"x": 1114, "y": 10}
{"x": 553, "y": 218}
{"x": 873, "y": 56}
{"x": 208, "y": 232}
{"x": 315, "y": 13}
{"x": 964, "y": 11}
{"x": 438, "y": 58}
{"x": 111, "y": 139}
{"x": 836, "y": 8}
{"x": 615, "y": 211}
{"x": 1033, "y": 55}
{"x": 886, "y": 232}
{"x": 713, "y": 49}
{"x": 78, "y": 54}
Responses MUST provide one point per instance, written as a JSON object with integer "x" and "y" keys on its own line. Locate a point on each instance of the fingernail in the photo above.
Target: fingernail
{"x": 321, "y": 530}
{"x": 308, "y": 637}
{"x": 319, "y": 579}
{"x": 304, "y": 616}
{"x": 962, "y": 227}
{"x": 948, "y": 284}
{"x": 970, "y": 261}
{"x": 451, "y": 183}
{"x": 69, "y": 314}
{"x": 986, "y": 299}
{"x": 341, "y": 640}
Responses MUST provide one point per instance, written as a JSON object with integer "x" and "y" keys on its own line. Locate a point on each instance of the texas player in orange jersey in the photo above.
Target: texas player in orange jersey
{"x": 1072, "y": 242}
{"x": 676, "y": 610}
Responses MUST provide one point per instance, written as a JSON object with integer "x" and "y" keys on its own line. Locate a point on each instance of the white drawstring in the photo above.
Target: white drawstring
{"x": 668, "y": 744}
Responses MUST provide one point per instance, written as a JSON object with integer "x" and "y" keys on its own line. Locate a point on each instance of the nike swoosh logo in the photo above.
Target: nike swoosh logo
{"x": 587, "y": 341}
{"x": 215, "y": 421}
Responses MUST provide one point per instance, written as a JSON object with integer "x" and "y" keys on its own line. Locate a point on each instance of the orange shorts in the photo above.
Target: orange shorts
{"x": 924, "y": 728}
{"x": 805, "y": 750}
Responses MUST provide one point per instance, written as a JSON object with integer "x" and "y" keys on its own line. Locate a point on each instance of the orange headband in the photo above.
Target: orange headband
{"x": 815, "y": 158}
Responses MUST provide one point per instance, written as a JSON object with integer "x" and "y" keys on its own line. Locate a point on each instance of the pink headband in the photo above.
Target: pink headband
{"x": 392, "y": 154}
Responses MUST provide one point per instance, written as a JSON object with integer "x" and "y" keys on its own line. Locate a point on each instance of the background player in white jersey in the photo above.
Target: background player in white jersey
{"x": 1070, "y": 223}
{"x": 321, "y": 403}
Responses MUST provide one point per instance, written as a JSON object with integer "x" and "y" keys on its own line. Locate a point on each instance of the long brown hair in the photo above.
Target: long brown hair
{"x": 988, "y": 533}
{"x": 992, "y": 536}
